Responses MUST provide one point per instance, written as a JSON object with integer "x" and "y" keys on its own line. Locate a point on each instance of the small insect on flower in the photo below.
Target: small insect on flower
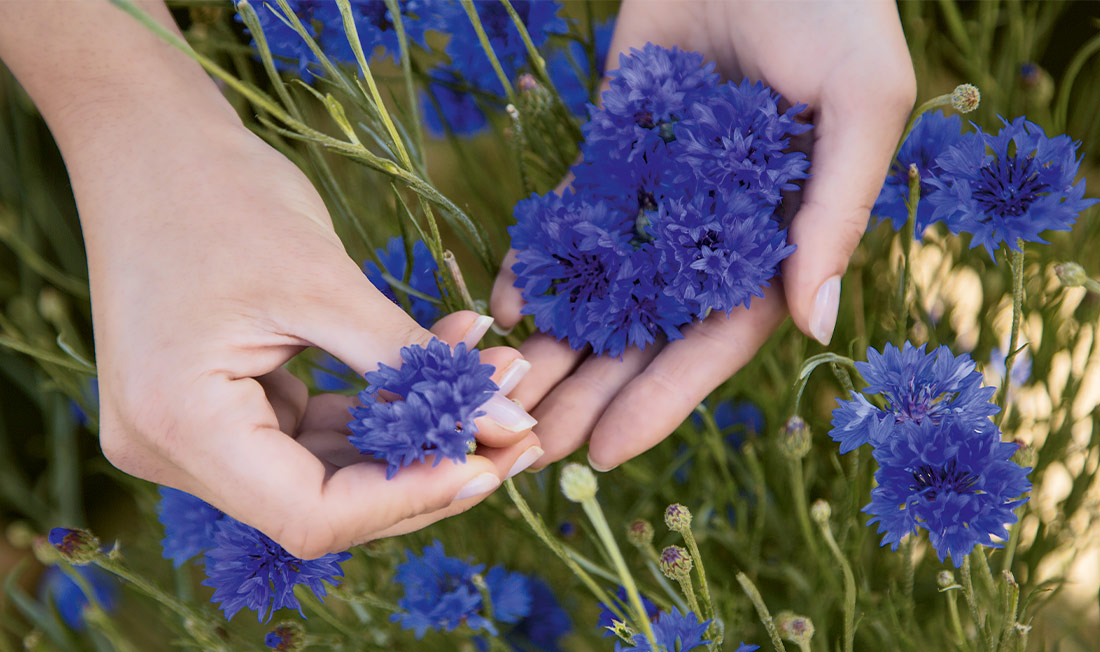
{"x": 441, "y": 393}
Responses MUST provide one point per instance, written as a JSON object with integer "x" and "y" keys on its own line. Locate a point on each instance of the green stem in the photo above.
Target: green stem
{"x": 801, "y": 510}
{"x": 543, "y": 534}
{"x": 595, "y": 514}
{"x": 689, "y": 594}
{"x": 956, "y": 622}
{"x": 1013, "y": 539}
{"x": 910, "y": 234}
{"x": 909, "y": 576}
{"x": 1016, "y": 260}
{"x": 972, "y": 602}
{"x": 934, "y": 103}
{"x": 762, "y": 611}
{"x": 406, "y": 68}
{"x": 849, "y": 585}
{"x": 475, "y": 20}
{"x": 1061, "y": 105}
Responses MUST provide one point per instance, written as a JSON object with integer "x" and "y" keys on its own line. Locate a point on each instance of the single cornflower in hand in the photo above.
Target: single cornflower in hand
{"x": 440, "y": 394}
{"x": 189, "y": 525}
{"x": 247, "y": 569}
{"x": 954, "y": 478}
{"x": 931, "y": 136}
{"x": 1010, "y": 186}
{"x": 917, "y": 387}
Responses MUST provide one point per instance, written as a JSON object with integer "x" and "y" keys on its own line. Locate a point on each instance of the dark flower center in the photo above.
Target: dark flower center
{"x": 929, "y": 480}
{"x": 1009, "y": 186}
{"x": 927, "y": 402}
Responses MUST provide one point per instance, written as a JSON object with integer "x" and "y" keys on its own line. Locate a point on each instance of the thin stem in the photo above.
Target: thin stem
{"x": 697, "y": 560}
{"x": 543, "y": 534}
{"x": 935, "y": 102}
{"x": 909, "y": 573}
{"x": 956, "y": 622}
{"x": 907, "y": 246}
{"x": 475, "y": 20}
{"x": 762, "y": 611}
{"x": 688, "y": 590}
{"x": 406, "y": 68}
{"x": 1016, "y": 261}
{"x": 972, "y": 602}
{"x": 595, "y": 514}
{"x": 801, "y": 510}
{"x": 849, "y": 585}
{"x": 1013, "y": 539}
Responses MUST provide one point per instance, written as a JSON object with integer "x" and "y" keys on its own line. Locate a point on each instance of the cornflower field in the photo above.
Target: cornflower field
{"x": 927, "y": 480}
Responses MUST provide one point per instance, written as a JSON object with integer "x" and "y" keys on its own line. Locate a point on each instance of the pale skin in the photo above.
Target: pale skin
{"x": 849, "y": 63}
{"x": 213, "y": 261}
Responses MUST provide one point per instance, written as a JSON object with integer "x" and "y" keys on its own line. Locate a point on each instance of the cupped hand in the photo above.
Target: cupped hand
{"x": 848, "y": 62}
{"x": 213, "y": 261}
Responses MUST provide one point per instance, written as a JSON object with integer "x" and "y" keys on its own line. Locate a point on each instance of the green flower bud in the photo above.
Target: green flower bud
{"x": 966, "y": 98}
{"x": 1037, "y": 83}
{"x": 578, "y": 483}
{"x": 945, "y": 579}
{"x": 1071, "y": 274}
{"x": 794, "y": 628}
{"x": 1026, "y": 456}
{"x": 820, "y": 511}
{"x": 678, "y": 518}
{"x": 795, "y": 440}
{"x": 287, "y": 636}
{"x": 640, "y": 533}
{"x": 77, "y": 546}
{"x": 676, "y": 563}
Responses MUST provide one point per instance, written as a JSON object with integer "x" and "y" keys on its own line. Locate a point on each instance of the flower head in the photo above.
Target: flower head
{"x": 441, "y": 393}
{"x": 285, "y": 637}
{"x": 420, "y": 276}
{"x": 578, "y": 483}
{"x": 247, "y": 569}
{"x": 189, "y": 525}
{"x": 675, "y": 563}
{"x": 954, "y": 478}
{"x": 931, "y": 136}
{"x": 917, "y": 386}
{"x": 544, "y": 624}
{"x": 57, "y": 587}
{"x": 674, "y": 631}
{"x": 1011, "y": 186}
{"x": 737, "y": 141}
{"x": 966, "y": 98}
{"x": 76, "y": 545}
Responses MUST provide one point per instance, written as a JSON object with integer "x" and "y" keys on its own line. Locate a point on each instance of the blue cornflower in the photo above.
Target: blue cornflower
{"x": 917, "y": 387}
{"x": 652, "y": 89}
{"x": 442, "y": 392}
{"x": 717, "y": 254}
{"x": 247, "y": 569}
{"x": 288, "y": 49}
{"x": 421, "y": 276}
{"x": 931, "y": 136}
{"x": 736, "y": 140}
{"x": 570, "y": 68}
{"x": 57, "y": 587}
{"x": 673, "y": 631}
{"x": 1008, "y": 187}
{"x": 440, "y": 593}
{"x": 607, "y": 618}
{"x": 469, "y": 59}
{"x": 448, "y": 107}
{"x": 189, "y": 525}
{"x": 954, "y": 478}
{"x": 545, "y": 623}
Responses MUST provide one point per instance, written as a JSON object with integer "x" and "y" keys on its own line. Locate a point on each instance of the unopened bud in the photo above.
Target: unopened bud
{"x": 914, "y": 172}
{"x": 794, "y": 440}
{"x": 676, "y": 563}
{"x": 678, "y": 518}
{"x": 51, "y": 305}
{"x": 578, "y": 483}
{"x": 640, "y": 533}
{"x": 286, "y": 637}
{"x": 966, "y": 98}
{"x": 795, "y": 628}
{"x": 20, "y": 535}
{"x": 1037, "y": 83}
{"x": 533, "y": 98}
{"x": 1071, "y": 274}
{"x": 1026, "y": 456}
{"x": 945, "y": 579}
{"x": 77, "y": 546}
{"x": 820, "y": 511}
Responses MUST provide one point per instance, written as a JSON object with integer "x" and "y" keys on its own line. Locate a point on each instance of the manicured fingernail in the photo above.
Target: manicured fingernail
{"x": 482, "y": 484}
{"x": 507, "y": 414}
{"x": 503, "y": 332}
{"x": 529, "y": 457}
{"x": 826, "y": 304}
{"x": 477, "y": 331}
{"x": 600, "y": 467}
{"x": 513, "y": 373}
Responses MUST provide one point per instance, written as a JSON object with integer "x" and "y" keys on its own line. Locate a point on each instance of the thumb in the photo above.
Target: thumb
{"x": 852, "y": 151}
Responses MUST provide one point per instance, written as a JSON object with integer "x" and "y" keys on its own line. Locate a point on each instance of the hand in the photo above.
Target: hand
{"x": 212, "y": 262}
{"x": 849, "y": 63}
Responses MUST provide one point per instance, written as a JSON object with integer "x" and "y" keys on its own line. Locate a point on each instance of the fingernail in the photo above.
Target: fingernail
{"x": 507, "y": 414}
{"x": 826, "y": 304}
{"x": 503, "y": 332}
{"x": 599, "y": 467}
{"x": 482, "y": 484}
{"x": 529, "y": 457}
{"x": 513, "y": 373}
{"x": 477, "y": 331}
